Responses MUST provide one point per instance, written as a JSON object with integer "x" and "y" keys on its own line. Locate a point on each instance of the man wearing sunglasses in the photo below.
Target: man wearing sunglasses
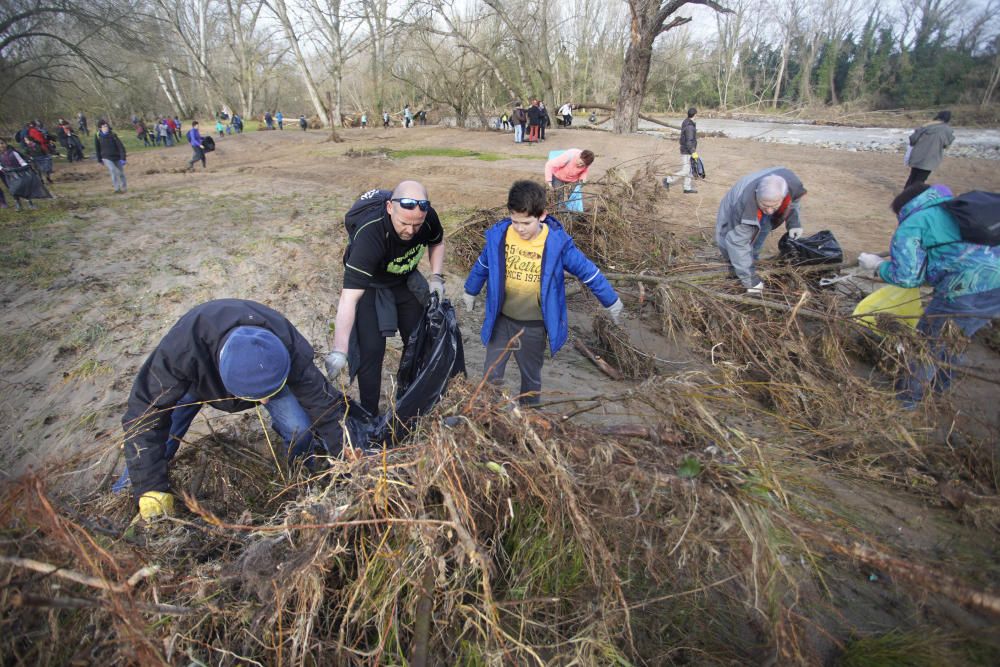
{"x": 388, "y": 233}
{"x": 234, "y": 355}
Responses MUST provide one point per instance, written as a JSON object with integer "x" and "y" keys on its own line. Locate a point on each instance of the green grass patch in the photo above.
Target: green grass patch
{"x": 20, "y": 346}
{"x": 452, "y": 218}
{"x": 85, "y": 336}
{"x": 30, "y": 246}
{"x": 541, "y": 561}
{"x": 902, "y": 649}
{"x": 89, "y": 368}
{"x": 446, "y": 152}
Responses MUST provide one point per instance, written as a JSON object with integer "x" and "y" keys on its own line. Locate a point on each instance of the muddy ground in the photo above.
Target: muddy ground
{"x": 92, "y": 280}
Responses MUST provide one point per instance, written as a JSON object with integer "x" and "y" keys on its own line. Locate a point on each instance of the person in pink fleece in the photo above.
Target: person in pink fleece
{"x": 567, "y": 169}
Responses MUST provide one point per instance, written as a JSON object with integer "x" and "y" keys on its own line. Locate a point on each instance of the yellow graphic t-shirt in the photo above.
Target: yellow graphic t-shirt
{"x": 524, "y": 275}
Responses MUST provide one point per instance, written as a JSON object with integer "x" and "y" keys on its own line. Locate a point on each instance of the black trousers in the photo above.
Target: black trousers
{"x": 371, "y": 343}
{"x": 916, "y": 176}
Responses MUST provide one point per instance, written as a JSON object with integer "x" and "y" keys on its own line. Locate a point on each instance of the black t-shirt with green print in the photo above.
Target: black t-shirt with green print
{"x": 376, "y": 254}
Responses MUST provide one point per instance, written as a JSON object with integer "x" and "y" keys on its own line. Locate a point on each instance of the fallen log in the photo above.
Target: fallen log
{"x": 923, "y": 577}
{"x": 655, "y": 434}
{"x": 608, "y": 107}
{"x": 605, "y": 367}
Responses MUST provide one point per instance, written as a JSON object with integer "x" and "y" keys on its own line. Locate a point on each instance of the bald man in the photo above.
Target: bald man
{"x": 383, "y": 291}
{"x": 753, "y": 207}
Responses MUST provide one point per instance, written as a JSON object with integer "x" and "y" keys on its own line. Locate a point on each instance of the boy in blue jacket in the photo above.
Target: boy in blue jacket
{"x": 523, "y": 263}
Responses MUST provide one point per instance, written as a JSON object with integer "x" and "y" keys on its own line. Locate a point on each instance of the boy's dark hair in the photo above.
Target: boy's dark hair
{"x": 194, "y": 123}
{"x": 587, "y": 157}
{"x": 526, "y": 197}
{"x": 907, "y": 195}
{"x": 691, "y": 112}
{"x": 943, "y": 116}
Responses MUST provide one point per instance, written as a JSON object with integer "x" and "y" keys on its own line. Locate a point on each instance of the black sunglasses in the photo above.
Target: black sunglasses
{"x": 410, "y": 204}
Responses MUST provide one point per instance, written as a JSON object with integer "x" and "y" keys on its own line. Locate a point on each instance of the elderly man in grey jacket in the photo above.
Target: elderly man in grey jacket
{"x": 927, "y": 144}
{"x": 753, "y": 207}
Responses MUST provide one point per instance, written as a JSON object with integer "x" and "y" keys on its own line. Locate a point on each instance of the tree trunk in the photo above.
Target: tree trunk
{"x": 648, "y": 21}
{"x": 633, "y": 84}
{"x": 781, "y": 69}
{"x": 994, "y": 79}
{"x": 334, "y": 137}
{"x": 182, "y": 107}
{"x": 281, "y": 11}
{"x": 203, "y": 53}
{"x": 165, "y": 87}
{"x": 834, "y": 55}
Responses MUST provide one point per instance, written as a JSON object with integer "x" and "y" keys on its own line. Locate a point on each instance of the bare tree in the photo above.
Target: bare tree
{"x": 443, "y": 74}
{"x": 380, "y": 26}
{"x": 48, "y": 40}
{"x": 839, "y": 18}
{"x": 280, "y": 10}
{"x": 790, "y": 10}
{"x": 252, "y": 48}
{"x": 649, "y": 20}
{"x": 335, "y": 36}
{"x": 991, "y": 86}
{"x": 730, "y": 29}
{"x": 466, "y": 33}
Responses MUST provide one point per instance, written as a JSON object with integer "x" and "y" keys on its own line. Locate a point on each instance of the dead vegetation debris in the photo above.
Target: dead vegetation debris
{"x": 702, "y": 532}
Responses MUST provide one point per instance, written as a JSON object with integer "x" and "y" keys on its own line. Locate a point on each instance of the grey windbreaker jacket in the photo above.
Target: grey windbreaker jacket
{"x": 739, "y": 221}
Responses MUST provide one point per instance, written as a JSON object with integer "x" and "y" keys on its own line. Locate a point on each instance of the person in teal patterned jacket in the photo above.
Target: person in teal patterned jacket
{"x": 927, "y": 248}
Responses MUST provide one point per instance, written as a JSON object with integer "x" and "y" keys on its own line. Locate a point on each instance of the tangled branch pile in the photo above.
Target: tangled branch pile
{"x": 498, "y": 536}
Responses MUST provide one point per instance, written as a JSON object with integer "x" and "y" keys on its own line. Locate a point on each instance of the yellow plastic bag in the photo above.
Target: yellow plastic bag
{"x": 901, "y": 302}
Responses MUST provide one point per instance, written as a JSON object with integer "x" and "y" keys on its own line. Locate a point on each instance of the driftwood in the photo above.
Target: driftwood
{"x": 923, "y": 577}
{"x": 655, "y": 434}
{"x": 608, "y": 107}
{"x": 605, "y": 367}
{"x": 29, "y": 600}
{"x": 72, "y": 575}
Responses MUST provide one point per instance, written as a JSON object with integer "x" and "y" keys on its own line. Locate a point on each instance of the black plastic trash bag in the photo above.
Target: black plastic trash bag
{"x": 433, "y": 356}
{"x": 25, "y": 182}
{"x": 820, "y": 248}
{"x": 208, "y": 144}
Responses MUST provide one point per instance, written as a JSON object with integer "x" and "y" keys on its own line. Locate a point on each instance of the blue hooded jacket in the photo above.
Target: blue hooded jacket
{"x": 560, "y": 254}
{"x": 927, "y": 247}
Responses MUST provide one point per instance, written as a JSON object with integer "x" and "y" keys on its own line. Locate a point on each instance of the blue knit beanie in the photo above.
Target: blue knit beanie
{"x": 253, "y": 363}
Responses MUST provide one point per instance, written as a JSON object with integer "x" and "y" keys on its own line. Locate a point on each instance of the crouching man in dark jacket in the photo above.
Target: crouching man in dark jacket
{"x": 234, "y": 355}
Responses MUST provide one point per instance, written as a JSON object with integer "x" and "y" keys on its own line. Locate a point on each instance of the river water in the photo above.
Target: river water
{"x": 980, "y": 143}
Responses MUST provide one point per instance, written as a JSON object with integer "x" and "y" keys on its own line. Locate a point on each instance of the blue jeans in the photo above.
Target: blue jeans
{"x": 518, "y": 133}
{"x": 288, "y": 418}
{"x": 765, "y": 230}
{"x": 970, "y": 313}
{"x": 117, "y": 174}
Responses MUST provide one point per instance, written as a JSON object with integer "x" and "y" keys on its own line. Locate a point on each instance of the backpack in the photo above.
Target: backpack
{"x": 698, "y": 167}
{"x": 978, "y": 216}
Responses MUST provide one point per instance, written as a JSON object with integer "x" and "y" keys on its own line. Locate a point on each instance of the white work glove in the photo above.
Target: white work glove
{"x": 757, "y": 289}
{"x": 869, "y": 262}
{"x": 469, "y": 300}
{"x": 334, "y": 362}
{"x": 437, "y": 285}
{"x": 615, "y": 311}
{"x": 794, "y": 233}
